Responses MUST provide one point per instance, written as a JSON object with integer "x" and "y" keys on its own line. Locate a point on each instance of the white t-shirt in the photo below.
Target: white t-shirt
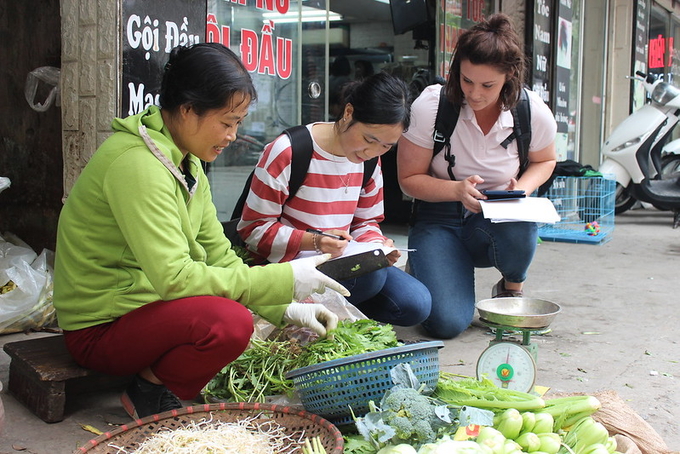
{"x": 477, "y": 154}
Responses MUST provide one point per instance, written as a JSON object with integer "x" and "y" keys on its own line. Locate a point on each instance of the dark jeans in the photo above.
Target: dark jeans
{"x": 449, "y": 246}
{"x": 390, "y": 296}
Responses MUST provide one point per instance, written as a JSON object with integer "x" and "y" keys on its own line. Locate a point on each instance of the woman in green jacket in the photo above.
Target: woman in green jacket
{"x": 145, "y": 282}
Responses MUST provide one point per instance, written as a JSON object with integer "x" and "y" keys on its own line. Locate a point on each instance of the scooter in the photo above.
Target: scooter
{"x": 633, "y": 153}
{"x": 637, "y": 150}
{"x": 670, "y": 158}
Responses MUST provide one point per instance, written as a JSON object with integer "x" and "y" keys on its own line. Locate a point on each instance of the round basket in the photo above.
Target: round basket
{"x": 299, "y": 424}
{"x": 331, "y": 388}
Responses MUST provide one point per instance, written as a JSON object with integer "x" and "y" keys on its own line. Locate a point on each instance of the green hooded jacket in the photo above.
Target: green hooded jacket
{"x": 131, "y": 233}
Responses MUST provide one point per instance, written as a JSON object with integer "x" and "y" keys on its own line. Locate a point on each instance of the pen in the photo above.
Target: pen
{"x": 329, "y": 235}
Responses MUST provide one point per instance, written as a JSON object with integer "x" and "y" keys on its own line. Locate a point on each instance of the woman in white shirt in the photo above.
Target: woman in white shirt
{"x": 449, "y": 232}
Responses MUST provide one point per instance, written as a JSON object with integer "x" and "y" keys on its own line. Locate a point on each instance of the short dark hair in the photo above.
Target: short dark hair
{"x": 491, "y": 42}
{"x": 206, "y": 76}
{"x": 380, "y": 99}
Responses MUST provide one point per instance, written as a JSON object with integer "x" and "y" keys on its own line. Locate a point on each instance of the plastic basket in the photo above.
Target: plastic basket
{"x": 581, "y": 202}
{"x": 297, "y": 423}
{"x": 331, "y": 388}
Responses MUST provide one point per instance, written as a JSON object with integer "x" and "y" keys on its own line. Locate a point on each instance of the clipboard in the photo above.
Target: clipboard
{"x": 353, "y": 266}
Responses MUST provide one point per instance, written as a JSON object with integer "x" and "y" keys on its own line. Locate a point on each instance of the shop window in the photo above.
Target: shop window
{"x": 289, "y": 47}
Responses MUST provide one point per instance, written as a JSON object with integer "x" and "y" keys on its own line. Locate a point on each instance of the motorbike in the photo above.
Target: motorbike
{"x": 638, "y": 155}
{"x": 670, "y": 158}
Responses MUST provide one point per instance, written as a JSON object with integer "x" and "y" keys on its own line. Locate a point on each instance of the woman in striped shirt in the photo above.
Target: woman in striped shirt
{"x": 333, "y": 198}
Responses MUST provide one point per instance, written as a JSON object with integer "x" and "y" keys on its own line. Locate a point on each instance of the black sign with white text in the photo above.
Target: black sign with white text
{"x": 151, "y": 28}
{"x": 542, "y": 49}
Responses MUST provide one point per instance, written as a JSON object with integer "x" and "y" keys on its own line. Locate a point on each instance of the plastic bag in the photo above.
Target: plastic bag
{"x": 25, "y": 287}
{"x": 333, "y": 301}
{"x": 4, "y": 183}
{"x": 634, "y": 433}
{"x": 49, "y": 76}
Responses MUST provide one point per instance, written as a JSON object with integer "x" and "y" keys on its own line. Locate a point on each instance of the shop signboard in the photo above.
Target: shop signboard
{"x": 640, "y": 34}
{"x": 563, "y": 51}
{"x": 459, "y": 15}
{"x": 151, "y": 29}
{"x": 542, "y": 49}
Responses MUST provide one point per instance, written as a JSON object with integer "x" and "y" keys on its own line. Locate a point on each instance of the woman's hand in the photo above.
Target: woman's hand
{"x": 308, "y": 279}
{"x": 393, "y": 256}
{"x": 332, "y": 246}
{"x": 468, "y": 194}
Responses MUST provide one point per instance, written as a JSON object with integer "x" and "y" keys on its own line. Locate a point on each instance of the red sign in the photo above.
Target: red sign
{"x": 658, "y": 51}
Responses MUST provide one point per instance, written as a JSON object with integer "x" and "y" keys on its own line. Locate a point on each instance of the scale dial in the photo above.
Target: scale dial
{"x": 508, "y": 365}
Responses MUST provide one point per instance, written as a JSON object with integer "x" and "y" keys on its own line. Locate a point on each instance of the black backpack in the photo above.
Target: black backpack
{"x": 447, "y": 117}
{"x": 302, "y": 150}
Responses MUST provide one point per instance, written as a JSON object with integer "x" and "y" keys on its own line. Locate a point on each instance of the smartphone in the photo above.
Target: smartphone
{"x": 504, "y": 195}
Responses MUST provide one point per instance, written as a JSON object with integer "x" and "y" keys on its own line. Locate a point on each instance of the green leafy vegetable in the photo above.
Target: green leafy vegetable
{"x": 348, "y": 339}
{"x": 454, "y": 390}
{"x": 260, "y": 371}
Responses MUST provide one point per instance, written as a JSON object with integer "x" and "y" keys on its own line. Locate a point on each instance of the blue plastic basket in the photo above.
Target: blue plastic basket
{"x": 330, "y": 388}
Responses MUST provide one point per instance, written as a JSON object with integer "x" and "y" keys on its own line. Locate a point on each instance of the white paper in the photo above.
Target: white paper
{"x": 353, "y": 248}
{"x": 356, "y": 247}
{"x": 531, "y": 209}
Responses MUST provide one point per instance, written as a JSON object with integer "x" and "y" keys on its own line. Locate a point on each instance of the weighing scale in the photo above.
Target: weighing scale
{"x": 507, "y": 362}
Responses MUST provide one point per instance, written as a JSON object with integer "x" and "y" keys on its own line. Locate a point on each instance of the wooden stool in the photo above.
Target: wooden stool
{"x": 42, "y": 372}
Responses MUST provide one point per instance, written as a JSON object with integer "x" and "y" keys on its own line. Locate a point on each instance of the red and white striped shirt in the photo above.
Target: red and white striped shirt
{"x": 331, "y": 197}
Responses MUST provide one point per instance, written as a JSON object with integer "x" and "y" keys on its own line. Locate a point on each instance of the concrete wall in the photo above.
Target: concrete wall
{"x": 516, "y": 9}
{"x": 619, "y": 62}
{"x": 90, "y": 74}
{"x": 30, "y": 141}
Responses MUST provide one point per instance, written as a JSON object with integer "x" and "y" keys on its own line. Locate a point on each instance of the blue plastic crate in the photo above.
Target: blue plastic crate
{"x": 581, "y": 201}
{"x": 330, "y": 388}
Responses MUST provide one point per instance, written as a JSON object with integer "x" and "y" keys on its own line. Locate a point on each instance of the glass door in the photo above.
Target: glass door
{"x": 266, "y": 36}
{"x": 299, "y": 53}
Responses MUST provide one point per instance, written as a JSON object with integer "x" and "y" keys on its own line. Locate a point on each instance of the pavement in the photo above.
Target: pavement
{"x": 616, "y": 331}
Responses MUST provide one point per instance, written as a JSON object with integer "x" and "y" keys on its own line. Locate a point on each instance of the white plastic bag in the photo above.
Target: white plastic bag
{"x": 26, "y": 280}
{"x": 49, "y": 77}
{"x": 4, "y": 183}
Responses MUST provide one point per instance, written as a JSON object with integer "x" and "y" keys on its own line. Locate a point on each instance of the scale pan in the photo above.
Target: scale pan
{"x": 518, "y": 312}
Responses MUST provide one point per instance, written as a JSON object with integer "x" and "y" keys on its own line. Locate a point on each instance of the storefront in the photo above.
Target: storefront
{"x": 299, "y": 50}
{"x": 300, "y": 53}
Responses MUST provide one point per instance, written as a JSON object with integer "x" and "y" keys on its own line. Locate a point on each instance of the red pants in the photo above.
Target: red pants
{"x": 186, "y": 342}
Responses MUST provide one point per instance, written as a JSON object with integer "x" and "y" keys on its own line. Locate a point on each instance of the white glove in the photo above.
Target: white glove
{"x": 309, "y": 280}
{"x": 313, "y": 316}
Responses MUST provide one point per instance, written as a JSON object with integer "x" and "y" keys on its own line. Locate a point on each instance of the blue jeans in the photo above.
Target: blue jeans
{"x": 390, "y": 296}
{"x": 449, "y": 246}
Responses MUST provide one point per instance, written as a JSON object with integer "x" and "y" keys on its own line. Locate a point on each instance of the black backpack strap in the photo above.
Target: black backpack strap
{"x": 444, "y": 124}
{"x": 521, "y": 115}
{"x": 238, "y": 209}
{"x": 369, "y": 168}
{"x": 302, "y": 149}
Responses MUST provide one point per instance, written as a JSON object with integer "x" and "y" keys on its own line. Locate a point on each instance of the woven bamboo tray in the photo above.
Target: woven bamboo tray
{"x": 297, "y": 423}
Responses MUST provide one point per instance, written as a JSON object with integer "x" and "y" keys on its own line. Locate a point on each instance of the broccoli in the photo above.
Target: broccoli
{"x": 412, "y": 415}
{"x": 405, "y": 415}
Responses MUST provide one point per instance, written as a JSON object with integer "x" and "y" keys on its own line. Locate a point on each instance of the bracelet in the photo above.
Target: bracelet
{"x": 316, "y": 245}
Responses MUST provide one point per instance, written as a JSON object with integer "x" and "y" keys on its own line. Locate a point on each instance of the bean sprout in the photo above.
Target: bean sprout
{"x": 245, "y": 436}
